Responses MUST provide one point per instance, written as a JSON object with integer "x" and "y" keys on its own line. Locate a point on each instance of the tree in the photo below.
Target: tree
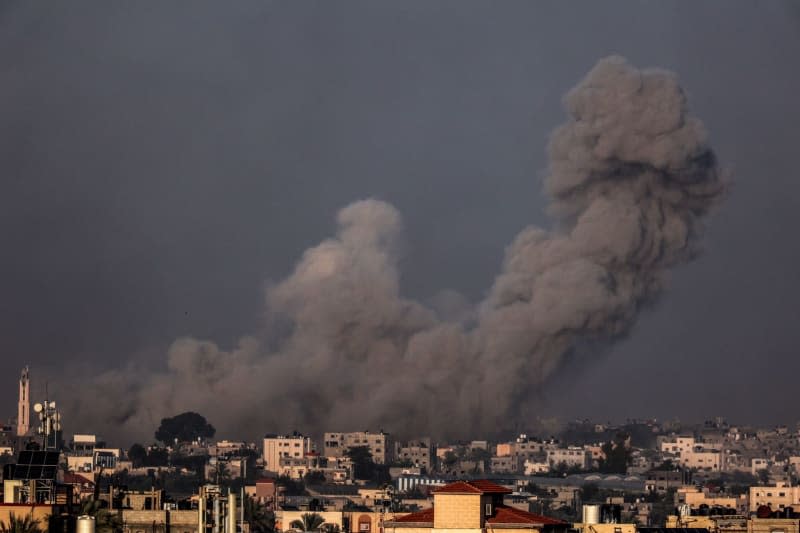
{"x": 314, "y": 477}
{"x": 137, "y": 455}
{"x": 258, "y": 517}
{"x": 185, "y": 427}
{"x": 361, "y": 457}
{"x": 26, "y": 524}
{"x": 617, "y": 455}
{"x": 308, "y": 522}
{"x": 449, "y": 460}
{"x": 105, "y": 521}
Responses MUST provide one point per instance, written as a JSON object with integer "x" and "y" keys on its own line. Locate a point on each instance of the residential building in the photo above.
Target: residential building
{"x": 418, "y": 452}
{"x": 381, "y": 445}
{"x": 472, "y": 506}
{"x": 280, "y": 446}
{"x": 776, "y": 497}
{"x": 572, "y": 456}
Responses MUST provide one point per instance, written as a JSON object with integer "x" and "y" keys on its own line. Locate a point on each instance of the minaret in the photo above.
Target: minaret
{"x": 24, "y": 406}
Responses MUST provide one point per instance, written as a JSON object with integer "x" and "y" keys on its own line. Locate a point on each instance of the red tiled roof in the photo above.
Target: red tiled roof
{"x": 424, "y": 516}
{"x": 511, "y": 515}
{"x": 478, "y": 486}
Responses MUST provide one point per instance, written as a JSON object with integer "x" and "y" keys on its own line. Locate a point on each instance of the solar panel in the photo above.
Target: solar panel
{"x": 34, "y": 465}
{"x": 25, "y": 458}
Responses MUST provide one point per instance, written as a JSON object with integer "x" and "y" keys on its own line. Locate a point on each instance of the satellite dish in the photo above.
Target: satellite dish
{"x": 38, "y": 407}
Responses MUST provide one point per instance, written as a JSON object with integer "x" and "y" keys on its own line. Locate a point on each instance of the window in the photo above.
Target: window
{"x": 488, "y": 509}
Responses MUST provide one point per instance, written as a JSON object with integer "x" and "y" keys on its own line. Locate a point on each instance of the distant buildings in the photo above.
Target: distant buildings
{"x": 381, "y": 445}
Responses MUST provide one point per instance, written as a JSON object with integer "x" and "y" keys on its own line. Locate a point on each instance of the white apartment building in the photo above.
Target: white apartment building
{"x": 380, "y": 444}
{"x": 279, "y": 446}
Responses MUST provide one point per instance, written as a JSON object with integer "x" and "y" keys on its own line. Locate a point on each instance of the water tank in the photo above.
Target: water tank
{"x": 763, "y": 511}
{"x": 85, "y": 524}
{"x": 591, "y": 514}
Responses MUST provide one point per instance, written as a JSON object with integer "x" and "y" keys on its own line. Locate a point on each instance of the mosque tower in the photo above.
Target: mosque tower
{"x": 24, "y": 405}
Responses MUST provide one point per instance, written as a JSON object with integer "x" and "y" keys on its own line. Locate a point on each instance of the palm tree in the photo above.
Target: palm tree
{"x": 105, "y": 521}
{"x": 260, "y": 519}
{"x": 309, "y": 522}
{"x": 26, "y": 524}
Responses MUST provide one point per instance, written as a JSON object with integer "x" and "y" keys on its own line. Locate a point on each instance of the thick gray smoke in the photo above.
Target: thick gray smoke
{"x": 630, "y": 177}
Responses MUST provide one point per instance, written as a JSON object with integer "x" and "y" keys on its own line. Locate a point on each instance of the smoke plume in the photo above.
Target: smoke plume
{"x": 630, "y": 177}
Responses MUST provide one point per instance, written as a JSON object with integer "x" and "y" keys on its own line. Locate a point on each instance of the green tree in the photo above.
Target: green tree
{"x": 105, "y": 521}
{"x": 308, "y": 522}
{"x": 137, "y": 454}
{"x": 185, "y": 427}
{"x": 449, "y": 460}
{"x": 260, "y": 519}
{"x": 361, "y": 457}
{"x": 617, "y": 455}
{"x": 24, "y": 524}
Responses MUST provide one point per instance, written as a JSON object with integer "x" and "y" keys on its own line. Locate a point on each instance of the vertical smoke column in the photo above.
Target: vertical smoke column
{"x": 630, "y": 177}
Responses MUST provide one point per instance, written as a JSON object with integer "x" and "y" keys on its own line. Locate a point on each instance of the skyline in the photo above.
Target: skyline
{"x": 151, "y": 183}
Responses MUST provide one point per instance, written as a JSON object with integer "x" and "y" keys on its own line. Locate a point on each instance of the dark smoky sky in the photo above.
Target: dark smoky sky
{"x": 161, "y": 163}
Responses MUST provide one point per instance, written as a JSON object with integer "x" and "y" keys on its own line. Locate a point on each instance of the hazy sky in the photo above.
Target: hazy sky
{"x": 160, "y": 165}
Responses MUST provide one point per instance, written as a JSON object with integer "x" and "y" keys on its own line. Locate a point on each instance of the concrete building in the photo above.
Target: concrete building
{"x": 776, "y": 497}
{"x": 381, "y": 445}
{"x": 678, "y": 444}
{"x": 418, "y": 452}
{"x": 572, "y": 457}
{"x": 701, "y": 458}
{"x": 280, "y": 446}
{"x": 696, "y": 498}
{"x": 472, "y": 507}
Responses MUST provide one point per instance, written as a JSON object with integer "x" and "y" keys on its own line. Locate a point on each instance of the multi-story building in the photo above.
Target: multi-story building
{"x": 279, "y": 446}
{"x": 661, "y": 481}
{"x": 678, "y": 444}
{"x": 571, "y": 456}
{"x": 702, "y": 459}
{"x": 776, "y": 497}
{"x": 418, "y": 452}
{"x": 381, "y": 445}
{"x": 472, "y": 507}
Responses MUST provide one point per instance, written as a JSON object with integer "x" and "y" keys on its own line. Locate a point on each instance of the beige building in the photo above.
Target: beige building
{"x": 702, "y": 459}
{"x": 572, "y": 457}
{"x": 678, "y": 444}
{"x": 775, "y": 497}
{"x": 380, "y": 444}
{"x": 472, "y": 507}
{"x": 160, "y": 521}
{"x": 277, "y": 447}
{"x": 694, "y": 498}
